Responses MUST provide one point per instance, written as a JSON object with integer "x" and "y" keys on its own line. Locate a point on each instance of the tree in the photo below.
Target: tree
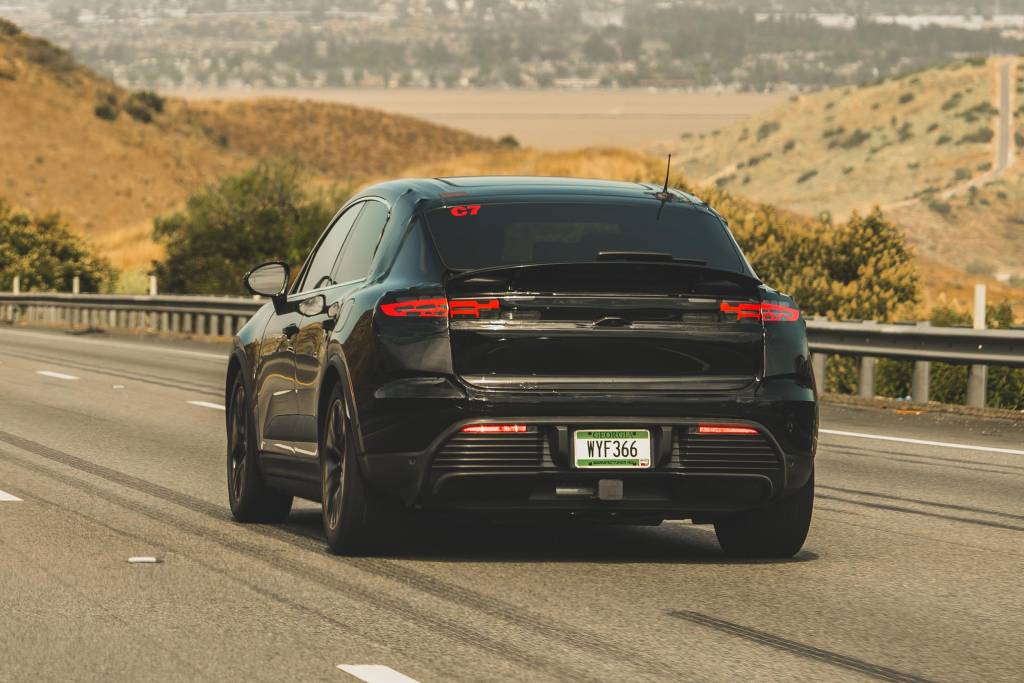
{"x": 46, "y": 255}
{"x": 267, "y": 213}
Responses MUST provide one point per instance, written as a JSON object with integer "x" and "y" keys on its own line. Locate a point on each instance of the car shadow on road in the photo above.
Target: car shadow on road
{"x": 447, "y": 540}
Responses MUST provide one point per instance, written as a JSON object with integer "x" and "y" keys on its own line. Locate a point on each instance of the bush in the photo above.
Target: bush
{"x": 264, "y": 214}
{"x": 906, "y": 97}
{"x": 788, "y": 147}
{"x": 807, "y": 175}
{"x": 508, "y": 141}
{"x": 977, "y": 267}
{"x": 853, "y": 140}
{"x": 46, "y": 254}
{"x": 138, "y": 111}
{"x": 943, "y": 139}
{"x": 766, "y": 129}
{"x": 150, "y": 100}
{"x": 980, "y": 136}
{"x": 953, "y": 101}
{"x": 105, "y": 112}
{"x": 943, "y": 208}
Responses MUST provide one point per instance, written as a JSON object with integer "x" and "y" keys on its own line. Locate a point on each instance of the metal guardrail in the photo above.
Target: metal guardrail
{"x": 868, "y": 341}
{"x": 202, "y": 315}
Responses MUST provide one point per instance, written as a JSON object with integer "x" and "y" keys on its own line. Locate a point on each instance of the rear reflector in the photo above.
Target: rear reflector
{"x": 494, "y": 429}
{"x": 769, "y": 313}
{"x": 725, "y": 429}
{"x": 439, "y": 308}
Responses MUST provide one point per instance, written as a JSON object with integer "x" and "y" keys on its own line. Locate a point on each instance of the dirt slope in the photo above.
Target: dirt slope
{"x": 109, "y": 178}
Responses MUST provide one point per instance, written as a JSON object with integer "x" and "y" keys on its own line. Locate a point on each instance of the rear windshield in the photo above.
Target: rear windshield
{"x": 488, "y": 235}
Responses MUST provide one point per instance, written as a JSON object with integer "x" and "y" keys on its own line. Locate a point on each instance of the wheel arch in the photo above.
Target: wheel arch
{"x": 336, "y": 373}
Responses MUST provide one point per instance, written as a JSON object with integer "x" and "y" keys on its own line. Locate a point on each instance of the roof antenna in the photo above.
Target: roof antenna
{"x": 665, "y": 195}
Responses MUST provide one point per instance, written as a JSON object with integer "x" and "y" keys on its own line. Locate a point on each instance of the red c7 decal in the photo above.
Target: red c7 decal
{"x": 465, "y": 210}
{"x": 769, "y": 313}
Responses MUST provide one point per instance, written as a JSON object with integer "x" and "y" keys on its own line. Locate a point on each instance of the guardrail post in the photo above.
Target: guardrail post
{"x": 921, "y": 384}
{"x": 866, "y": 378}
{"x": 76, "y": 285}
{"x": 16, "y": 285}
{"x": 152, "y": 285}
{"x": 200, "y": 324}
{"x": 819, "y": 366}
{"x": 977, "y": 376}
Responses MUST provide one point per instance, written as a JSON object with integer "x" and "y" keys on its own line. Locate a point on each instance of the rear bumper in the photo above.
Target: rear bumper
{"x": 690, "y": 477}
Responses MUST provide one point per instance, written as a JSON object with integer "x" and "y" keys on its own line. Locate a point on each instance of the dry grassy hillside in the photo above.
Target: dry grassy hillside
{"x": 902, "y": 145}
{"x": 109, "y": 178}
{"x": 848, "y": 149}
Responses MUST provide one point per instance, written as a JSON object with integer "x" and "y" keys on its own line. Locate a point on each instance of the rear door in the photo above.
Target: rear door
{"x": 347, "y": 274}
{"x": 598, "y": 296}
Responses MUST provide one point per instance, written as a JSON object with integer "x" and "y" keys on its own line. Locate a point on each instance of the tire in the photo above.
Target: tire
{"x": 777, "y": 530}
{"x": 357, "y": 519}
{"x": 250, "y": 497}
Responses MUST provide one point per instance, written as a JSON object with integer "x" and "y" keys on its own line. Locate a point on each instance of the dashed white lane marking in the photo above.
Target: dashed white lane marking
{"x": 207, "y": 404}
{"x": 922, "y": 442}
{"x": 136, "y": 346}
{"x": 376, "y": 673}
{"x": 8, "y": 498}
{"x": 55, "y": 375}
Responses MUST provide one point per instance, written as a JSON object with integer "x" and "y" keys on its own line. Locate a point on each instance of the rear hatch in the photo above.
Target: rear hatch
{"x": 615, "y": 296}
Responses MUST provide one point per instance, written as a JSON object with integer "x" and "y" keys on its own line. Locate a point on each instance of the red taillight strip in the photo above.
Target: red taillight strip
{"x": 472, "y": 307}
{"x": 494, "y": 429}
{"x": 769, "y": 313}
{"x": 438, "y": 308}
{"x": 725, "y": 429}
{"x": 420, "y": 308}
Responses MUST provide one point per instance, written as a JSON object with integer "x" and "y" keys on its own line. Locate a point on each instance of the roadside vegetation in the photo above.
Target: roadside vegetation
{"x": 46, "y": 255}
{"x": 270, "y": 212}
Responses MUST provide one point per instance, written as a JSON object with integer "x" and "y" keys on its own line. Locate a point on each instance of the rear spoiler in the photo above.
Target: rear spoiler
{"x": 656, "y": 277}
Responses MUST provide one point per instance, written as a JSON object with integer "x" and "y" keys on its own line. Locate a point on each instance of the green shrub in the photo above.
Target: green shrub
{"x": 962, "y": 174}
{"x": 943, "y": 139}
{"x": 980, "y": 136}
{"x": 105, "y": 111}
{"x": 943, "y": 208}
{"x": 46, "y": 255}
{"x": 932, "y": 127}
{"x": 9, "y": 28}
{"x": 766, "y": 129}
{"x": 807, "y": 175}
{"x": 150, "y": 100}
{"x": 906, "y": 97}
{"x": 263, "y": 214}
{"x": 788, "y": 147}
{"x": 953, "y": 101}
{"x": 509, "y": 142}
{"x": 978, "y": 267}
{"x": 138, "y": 111}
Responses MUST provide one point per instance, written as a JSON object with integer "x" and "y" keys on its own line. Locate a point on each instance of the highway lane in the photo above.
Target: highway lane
{"x": 912, "y": 570}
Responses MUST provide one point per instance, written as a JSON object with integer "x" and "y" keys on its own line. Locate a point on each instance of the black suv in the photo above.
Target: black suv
{"x": 512, "y": 345}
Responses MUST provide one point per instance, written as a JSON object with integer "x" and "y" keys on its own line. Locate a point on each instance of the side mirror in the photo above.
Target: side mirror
{"x": 268, "y": 279}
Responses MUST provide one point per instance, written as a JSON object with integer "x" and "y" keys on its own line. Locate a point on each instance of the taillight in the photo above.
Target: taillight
{"x": 494, "y": 429}
{"x": 418, "y": 308}
{"x": 439, "y": 308}
{"x": 769, "y": 313}
{"x": 725, "y": 429}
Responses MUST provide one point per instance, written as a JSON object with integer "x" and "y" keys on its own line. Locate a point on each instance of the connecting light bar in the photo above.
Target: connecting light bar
{"x": 769, "y": 313}
{"x": 494, "y": 429}
{"x": 439, "y": 308}
{"x": 726, "y": 429}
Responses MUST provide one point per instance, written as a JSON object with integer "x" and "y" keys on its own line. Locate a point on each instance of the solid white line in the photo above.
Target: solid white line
{"x": 922, "y": 442}
{"x": 55, "y": 375}
{"x": 140, "y": 346}
{"x": 207, "y": 404}
{"x": 376, "y": 673}
{"x": 8, "y": 498}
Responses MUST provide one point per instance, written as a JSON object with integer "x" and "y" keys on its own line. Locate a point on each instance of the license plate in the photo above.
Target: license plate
{"x": 612, "y": 449}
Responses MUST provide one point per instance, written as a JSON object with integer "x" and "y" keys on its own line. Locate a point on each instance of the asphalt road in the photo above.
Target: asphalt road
{"x": 914, "y": 569}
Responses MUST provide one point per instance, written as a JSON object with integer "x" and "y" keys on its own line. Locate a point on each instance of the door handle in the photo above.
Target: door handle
{"x": 290, "y": 330}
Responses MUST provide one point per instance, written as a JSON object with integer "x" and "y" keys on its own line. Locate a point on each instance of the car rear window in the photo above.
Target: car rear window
{"x": 473, "y": 236}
